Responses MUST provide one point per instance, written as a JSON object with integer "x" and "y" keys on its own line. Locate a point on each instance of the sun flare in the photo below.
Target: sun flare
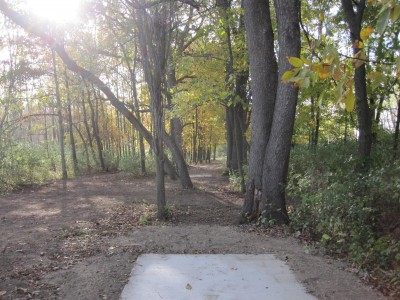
{"x": 57, "y": 11}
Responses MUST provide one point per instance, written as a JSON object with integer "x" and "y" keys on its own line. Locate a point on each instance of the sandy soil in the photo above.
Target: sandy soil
{"x": 79, "y": 239}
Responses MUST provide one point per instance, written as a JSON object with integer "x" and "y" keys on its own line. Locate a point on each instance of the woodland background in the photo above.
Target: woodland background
{"x": 148, "y": 87}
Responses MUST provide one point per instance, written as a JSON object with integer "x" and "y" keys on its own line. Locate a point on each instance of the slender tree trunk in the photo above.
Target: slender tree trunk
{"x": 354, "y": 16}
{"x": 96, "y": 132}
{"x": 277, "y": 154}
{"x": 85, "y": 146}
{"x": 396, "y": 132}
{"x": 152, "y": 40}
{"x": 60, "y": 119}
{"x": 239, "y": 150}
{"x": 71, "y": 128}
{"x": 87, "y": 127}
{"x": 195, "y": 135}
{"x": 234, "y": 111}
{"x": 264, "y": 76}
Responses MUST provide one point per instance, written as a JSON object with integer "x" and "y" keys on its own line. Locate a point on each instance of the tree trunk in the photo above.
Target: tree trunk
{"x": 152, "y": 29}
{"x": 264, "y": 80}
{"x": 396, "y": 132}
{"x": 276, "y": 163}
{"x": 239, "y": 150}
{"x": 96, "y": 134}
{"x": 71, "y": 128}
{"x": 86, "y": 150}
{"x": 195, "y": 135}
{"x": 353, "y": 17}
{"x": 60, "y": 119}
{"x": 87, "y": 127}
{"x": 234, "y": 108}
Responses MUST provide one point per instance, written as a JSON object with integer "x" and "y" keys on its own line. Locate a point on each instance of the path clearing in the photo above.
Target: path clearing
{"x": 79, "y": 240}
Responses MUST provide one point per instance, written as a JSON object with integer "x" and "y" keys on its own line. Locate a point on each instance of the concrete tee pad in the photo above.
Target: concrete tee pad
{"x": 217, "y": 276}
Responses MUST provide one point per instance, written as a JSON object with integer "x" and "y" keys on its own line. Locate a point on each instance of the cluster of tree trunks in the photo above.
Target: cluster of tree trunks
{"x": 274, "y": 105}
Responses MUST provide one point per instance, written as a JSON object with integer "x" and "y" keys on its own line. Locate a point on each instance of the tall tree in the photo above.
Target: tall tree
{"x": 279, "y": 128}
{"x": 353, "y": 13}
{"x": 60, "y": 117}
{"x": 153, "y": 34}
{"x": 276, "y": 161}
{"x": 264, "y": 79}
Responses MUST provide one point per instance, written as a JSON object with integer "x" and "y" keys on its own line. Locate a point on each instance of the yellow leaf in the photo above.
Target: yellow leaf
{"x": 289, "y": 75}
{"x": 372, "y": 75}
{"x": 395, "y": 13}
{"x": 324, "y": 75}
{"x": 306, "y": 60}
{"x": 329, "y": 59}
{"x": 359, "y": 59}
{"x": 350, "y": 100}
{"x": 366, "y": 32}
{"x": 337, "y": 74}
{"x": 316, "y": 68}
{"x": 295, "y": 61}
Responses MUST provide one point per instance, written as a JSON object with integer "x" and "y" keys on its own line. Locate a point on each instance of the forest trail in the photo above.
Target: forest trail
{"x": 79, "y": 239}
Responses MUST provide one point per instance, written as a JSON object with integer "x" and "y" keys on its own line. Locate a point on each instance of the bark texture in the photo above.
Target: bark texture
{"x": 264, "y": 81}
{"x": 276, "y": 160}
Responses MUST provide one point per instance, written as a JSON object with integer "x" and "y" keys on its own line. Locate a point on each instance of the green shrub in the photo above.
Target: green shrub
{"x": 349, "y": 212}
{"x": 132, "y": 164}
{"x": 24, "y": 164}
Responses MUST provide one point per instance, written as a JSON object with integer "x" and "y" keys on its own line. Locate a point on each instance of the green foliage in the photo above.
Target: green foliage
{"x": 131, "y": 164}
{"x": 348, "y": 212}
{"x": 235, "y": 180}
{"x": 24, "y": 164}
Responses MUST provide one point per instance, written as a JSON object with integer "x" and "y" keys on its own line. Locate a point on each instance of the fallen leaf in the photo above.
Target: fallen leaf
{"x": 188, "y": 287}
{"x": 2, "y": 293}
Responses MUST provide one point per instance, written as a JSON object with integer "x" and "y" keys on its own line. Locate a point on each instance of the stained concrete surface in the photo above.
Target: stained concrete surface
{"x": 217, "y": 276}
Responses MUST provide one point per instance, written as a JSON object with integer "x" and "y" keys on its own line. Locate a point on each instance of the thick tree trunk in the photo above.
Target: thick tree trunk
{"x": 264, "y": 81}
{"x": 277, "y": 154}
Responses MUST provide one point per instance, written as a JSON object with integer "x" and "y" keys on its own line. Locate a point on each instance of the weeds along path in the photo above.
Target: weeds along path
{"x": 79, "y": 239}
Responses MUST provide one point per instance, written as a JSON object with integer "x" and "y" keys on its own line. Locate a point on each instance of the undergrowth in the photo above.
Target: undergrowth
{"x": 353, "y": 214}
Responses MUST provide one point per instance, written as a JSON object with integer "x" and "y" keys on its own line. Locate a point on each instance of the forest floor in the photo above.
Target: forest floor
{"x": 79, "y": 239}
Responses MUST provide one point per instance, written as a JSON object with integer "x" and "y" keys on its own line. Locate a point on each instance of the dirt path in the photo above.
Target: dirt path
{"x": 79, "y": 240}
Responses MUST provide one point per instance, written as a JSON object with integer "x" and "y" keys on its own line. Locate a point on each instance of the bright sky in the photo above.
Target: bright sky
{"x": 57, "y": 11}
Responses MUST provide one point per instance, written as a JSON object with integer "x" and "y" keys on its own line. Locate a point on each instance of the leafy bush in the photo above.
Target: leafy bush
{"x": 132, "y": 165}
{"x": 25, "y": 164}
{"x": 235, "y": 180}
{"x": 349, "y": 212}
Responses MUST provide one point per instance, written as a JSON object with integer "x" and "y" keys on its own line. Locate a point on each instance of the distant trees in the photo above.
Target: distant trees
{"x": 166, "y": 76}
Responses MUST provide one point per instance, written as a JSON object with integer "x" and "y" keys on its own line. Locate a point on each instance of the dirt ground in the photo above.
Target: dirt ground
{"x": 79, "y": 239}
